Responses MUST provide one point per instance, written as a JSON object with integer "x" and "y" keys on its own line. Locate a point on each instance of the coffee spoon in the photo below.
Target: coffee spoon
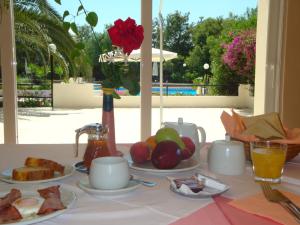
{"x": 143, "y": 182}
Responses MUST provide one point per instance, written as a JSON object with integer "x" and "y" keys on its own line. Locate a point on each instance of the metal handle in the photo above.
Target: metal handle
{"x": 203, "y": 135}
{"x": 291, "y": 210}
{"x": 294, "y": 207}
{"x": 95, "y": 128}
{"x": 143, "y": 182}
{"x": 78, "y": 133}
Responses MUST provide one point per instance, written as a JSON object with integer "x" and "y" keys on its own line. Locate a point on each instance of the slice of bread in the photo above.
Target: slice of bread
{"x": 32, "y": 173}
{"x": 46, "y": 163}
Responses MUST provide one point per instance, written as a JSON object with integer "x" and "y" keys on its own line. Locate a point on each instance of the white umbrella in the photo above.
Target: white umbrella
{"x": 167, "y": 55}
{"x": 135, "y": 56}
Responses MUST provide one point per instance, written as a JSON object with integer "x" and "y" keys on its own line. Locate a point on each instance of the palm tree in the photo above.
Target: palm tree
{"x": 37, "y": 25}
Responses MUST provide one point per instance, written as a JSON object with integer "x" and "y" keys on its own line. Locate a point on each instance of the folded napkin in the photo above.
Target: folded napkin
{"x": 266, "y": 126}
{"x": 221, "y": 213}
{"x": 258, "y": 205}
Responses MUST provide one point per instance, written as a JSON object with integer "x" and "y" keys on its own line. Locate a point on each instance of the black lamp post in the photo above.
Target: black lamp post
{"x": 206, "y": 78}
{"x": 52, "y": 49}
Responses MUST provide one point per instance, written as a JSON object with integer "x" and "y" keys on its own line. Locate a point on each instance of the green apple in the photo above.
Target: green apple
{"x": 170, "y": 134}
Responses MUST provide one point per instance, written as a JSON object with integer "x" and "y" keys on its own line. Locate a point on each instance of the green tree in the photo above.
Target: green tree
{"x": 200, "y": 53}
{"x": 177, "y": 33}
{"x": 156, "y": 33}
{"x": 86, "y": 60}
{"x": 37, "y": 25}
{"x": 177, "y": 38}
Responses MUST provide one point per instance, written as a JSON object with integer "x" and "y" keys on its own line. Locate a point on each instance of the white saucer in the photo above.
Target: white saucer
{"x": 85, "y": 185}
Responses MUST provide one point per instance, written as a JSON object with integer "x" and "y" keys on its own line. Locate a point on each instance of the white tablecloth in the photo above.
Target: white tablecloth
{"x": 145, "y": 205}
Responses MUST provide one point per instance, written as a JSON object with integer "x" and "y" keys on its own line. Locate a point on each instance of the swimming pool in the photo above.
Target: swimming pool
{"x": 175, "y": 90}
{"x": 189, "y": 91}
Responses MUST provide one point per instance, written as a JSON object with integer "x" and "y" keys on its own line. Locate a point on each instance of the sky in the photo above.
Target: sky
{"x": 110, "y": 10}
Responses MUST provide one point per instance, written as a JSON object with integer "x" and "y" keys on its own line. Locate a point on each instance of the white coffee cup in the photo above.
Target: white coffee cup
{"x": 109, "y": 173}
{"x": 227, "y": 157}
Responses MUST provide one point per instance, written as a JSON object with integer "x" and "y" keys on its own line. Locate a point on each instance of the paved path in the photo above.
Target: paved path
{"x": 42, "y": 125}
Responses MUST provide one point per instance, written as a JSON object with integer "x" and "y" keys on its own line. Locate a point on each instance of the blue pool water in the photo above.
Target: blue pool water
{"x": 171, "y": 90}
{"x": 176, "y": 91}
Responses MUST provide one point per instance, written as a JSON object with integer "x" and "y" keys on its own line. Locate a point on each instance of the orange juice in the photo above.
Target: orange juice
{"x": 268, "y": 163}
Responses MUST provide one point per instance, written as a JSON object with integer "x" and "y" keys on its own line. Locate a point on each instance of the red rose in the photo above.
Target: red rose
{"x": 126, "y": 35}
{"x": 114, "y": 33}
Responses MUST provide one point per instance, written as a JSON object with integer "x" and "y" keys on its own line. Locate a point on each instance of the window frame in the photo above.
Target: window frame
{"x": 7, "y": 47}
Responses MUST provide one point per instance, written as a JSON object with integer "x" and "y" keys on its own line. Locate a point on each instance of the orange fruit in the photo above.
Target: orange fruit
{"x": 151, "y": 142}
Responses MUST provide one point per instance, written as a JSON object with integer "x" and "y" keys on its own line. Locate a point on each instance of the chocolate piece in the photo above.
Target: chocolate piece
{"x": 192, "y": 182}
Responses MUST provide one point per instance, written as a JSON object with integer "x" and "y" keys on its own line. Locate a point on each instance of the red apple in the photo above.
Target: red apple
{"x": 166, "y": 155}
{"x": 189, "y": 149}
{"x": 140, "y": 152}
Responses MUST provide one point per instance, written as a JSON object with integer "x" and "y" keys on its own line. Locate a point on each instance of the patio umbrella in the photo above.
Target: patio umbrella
{"x": 167, "y": 55}
{"x": 135, "y": 55}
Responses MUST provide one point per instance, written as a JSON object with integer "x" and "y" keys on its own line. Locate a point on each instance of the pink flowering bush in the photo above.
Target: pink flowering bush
{"x": 239, "y": 55}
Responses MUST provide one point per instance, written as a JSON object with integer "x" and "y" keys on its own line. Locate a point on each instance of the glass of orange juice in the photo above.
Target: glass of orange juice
{"x": 268, "y": 159}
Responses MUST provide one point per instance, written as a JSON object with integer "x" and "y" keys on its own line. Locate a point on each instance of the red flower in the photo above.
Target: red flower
{"x": 126, "y": 35}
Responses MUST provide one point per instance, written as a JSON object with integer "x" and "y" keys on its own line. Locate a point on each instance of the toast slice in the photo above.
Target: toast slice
{"x": 32, "y": 173}
{"x": 46, "y": 163}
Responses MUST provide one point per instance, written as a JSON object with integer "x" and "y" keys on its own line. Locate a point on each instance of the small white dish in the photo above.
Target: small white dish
{"x": 212, "y": 188}
{"x": 85, "y": 186}
{"x": 227, "y": 157}
{"x": 184, "y": 165}
{"x": 6, "y": 176}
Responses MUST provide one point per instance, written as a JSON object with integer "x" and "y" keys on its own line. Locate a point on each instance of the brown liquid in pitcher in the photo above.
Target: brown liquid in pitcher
{"x": 95, "y": 149}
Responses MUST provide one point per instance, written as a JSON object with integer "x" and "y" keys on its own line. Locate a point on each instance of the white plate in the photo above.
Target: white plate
{"x": 68, "y": 199}
{"x": 185, "y": 165}
{"x": 6, "y": 176}
{"x": 212, "y": 188}
{"x": 85, "y": 185}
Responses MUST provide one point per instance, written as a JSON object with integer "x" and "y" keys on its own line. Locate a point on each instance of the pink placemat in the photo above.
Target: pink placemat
{"x": 257, "y": 204}
{"x": 221, "y": 213}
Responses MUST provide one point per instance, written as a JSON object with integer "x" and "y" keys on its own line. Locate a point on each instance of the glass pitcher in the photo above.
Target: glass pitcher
{"x": 97, "y": 142}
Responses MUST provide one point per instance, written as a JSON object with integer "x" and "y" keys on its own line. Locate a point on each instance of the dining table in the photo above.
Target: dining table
{"x": 144, "y": 205}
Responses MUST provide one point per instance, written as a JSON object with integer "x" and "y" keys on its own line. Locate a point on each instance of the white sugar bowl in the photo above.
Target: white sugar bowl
{"x": 227, "y": 157}
{"x": 109, "y": 173}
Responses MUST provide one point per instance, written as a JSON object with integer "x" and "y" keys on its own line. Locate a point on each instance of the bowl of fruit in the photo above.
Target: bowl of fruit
{"x": 164, "y": 152}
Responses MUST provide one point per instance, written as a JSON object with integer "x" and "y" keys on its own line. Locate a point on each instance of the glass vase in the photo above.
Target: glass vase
{"x": 109, "y": 121}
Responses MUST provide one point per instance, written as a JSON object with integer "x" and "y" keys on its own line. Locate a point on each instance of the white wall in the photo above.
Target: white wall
{"x": 83, "y": 96}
